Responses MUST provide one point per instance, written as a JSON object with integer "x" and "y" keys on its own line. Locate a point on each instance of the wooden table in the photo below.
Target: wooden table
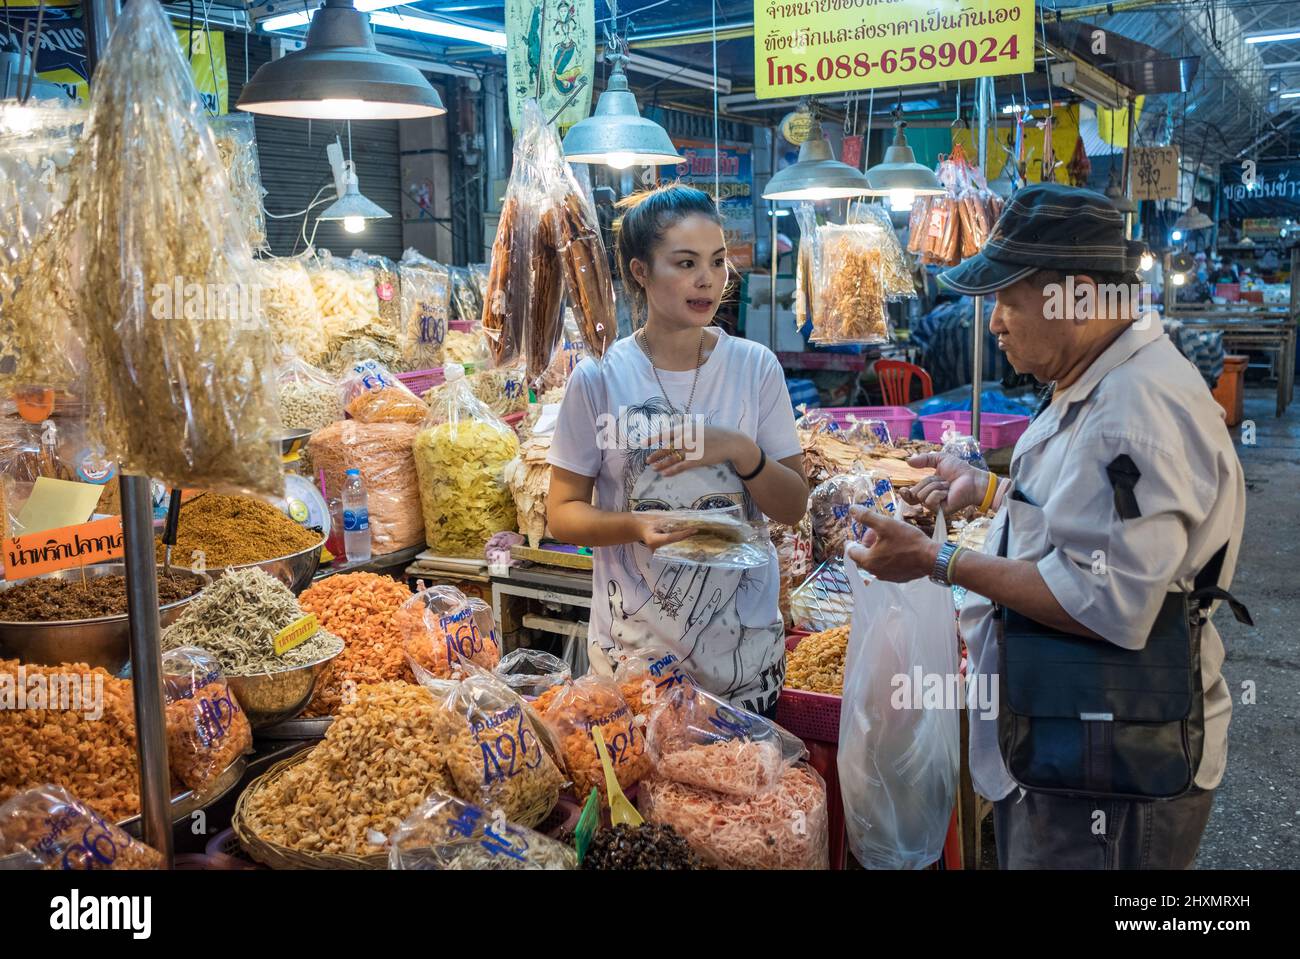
{"x": 1261, "y": 330}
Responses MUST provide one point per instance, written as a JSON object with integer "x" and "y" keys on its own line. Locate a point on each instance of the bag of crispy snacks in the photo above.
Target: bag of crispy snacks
{"x": 442, "y": 628}
{"x": 460, "y": 455}
{"x": 722, "y": 538}
{"x": 495, "y": 753}
{"x": 449, "y": 833}
{"x": 468, "y": 293}
{"x": 295, "y": 318}
{"x": 179, "y": 355}
{"x": 426, "y": 310}
{"x": 372, "y": 393}
{"x": 47, "y": 828}
{"x": 387, "y": 287}
{"x": 206, "y": 729}
{"x": 382, "y": 451}
{"x": 590, "y": 702}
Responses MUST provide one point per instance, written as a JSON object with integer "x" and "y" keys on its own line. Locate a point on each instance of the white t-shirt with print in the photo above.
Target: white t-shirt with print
{"x": 724, "y": 624}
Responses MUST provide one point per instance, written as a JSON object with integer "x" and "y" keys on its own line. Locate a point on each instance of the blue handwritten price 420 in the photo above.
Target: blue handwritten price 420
{"x": 507, "y": 747}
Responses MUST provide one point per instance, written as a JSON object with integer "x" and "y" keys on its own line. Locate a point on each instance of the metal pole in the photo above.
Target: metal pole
{"x": 977, "y": 328}
{"x": 771, "y": 215}
{"x": 141, "y": 581}
{"x": 1128, "y": 164}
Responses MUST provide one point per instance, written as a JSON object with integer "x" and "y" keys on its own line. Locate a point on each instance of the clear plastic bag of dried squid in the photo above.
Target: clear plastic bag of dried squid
{"x": 449, "y": 833}
{"x": 206, "y": 728}
{"x": 237, "y": 144}
{"x": 498, "y": 752}
{"x": 442, "y": 628}
{"x": 701, "y": 740}
{"x": 180, "y": 355}
{"x": 564, "y": 249}
{"x": 38, "y": 344}
{"x": 849, "y": 303}
{"x": 831, "y": 503}
{"x": 309, "y": 398}
{"x": 426, "y": 309}
{"x": 587, "y": 278}
{"x": 46, "y": 827}
{"x": 896, "y": 267}
{"x": 372, "y": 393}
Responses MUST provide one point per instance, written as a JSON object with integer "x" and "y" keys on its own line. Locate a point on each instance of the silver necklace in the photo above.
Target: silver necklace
{"x": 699, "y": 362}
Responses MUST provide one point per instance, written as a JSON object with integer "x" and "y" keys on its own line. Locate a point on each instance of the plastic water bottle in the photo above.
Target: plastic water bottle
{"x": 356, "y": 519}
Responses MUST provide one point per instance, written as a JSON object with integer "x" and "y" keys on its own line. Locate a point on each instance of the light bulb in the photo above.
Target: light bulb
{"x": 1178, "y": 279}
{"x": 1176, "y": 236}
{"x": 1146, "y": 262}
{"x": 354, "y": 224}
{"x": 900, "y": 200}
{"x": 620, "y": 161}
{"x": 341, "y": 109}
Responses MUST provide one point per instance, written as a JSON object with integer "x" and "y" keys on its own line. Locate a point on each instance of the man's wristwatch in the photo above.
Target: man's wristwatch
{"x": 942, "y": 564}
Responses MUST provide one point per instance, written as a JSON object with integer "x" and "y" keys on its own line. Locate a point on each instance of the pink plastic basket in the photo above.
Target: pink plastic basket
{"x": 810, "y": 716}
{"x": 899, "y": 419}
{"x": 996, "y": 429}
{"x": 421, "y": 381}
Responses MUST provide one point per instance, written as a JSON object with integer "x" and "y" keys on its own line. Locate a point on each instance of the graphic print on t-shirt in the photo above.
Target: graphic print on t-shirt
{"x": 686, "y": 599}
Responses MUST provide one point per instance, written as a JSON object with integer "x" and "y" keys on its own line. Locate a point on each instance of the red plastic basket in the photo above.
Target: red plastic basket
{"x": 811, "y": 716}
{"x": 899, "y": 419}
{"x": 996, "y": 429}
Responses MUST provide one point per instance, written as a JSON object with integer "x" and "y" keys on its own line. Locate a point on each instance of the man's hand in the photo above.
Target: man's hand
{"x": 894, "y": 551}
{"x": 955, "y": 483}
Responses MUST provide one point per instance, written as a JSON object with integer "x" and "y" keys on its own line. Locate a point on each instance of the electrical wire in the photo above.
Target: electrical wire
{"x": 717, "y": 156}
{"x": 649, "y": 6}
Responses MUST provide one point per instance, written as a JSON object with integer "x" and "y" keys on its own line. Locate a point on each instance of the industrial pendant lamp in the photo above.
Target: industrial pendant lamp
{"x": 1193, "y": 219}
{"x": 899, "y": 175}
{"x": 1115, "y": 193}
{"x": 350, "y": 207}
{"x": 340, "y": 75}
{"x": 817, "y": 175}
{"x": 616, "y": 134}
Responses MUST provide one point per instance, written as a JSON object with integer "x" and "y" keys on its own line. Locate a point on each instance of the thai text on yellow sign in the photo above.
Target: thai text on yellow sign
{"x": 825, "y": 46}
{"x": 296, "y": 633}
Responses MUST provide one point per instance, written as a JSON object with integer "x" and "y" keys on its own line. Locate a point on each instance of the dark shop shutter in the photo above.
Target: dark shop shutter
{"x": 294, "y": 166}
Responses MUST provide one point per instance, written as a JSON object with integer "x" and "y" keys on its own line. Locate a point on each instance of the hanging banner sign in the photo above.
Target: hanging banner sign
{"x": 825, "y": 46}
{"x": 550, "y": 54}
{"x": 61, "y": 58}
{"x": 1155, "y": 173}
{"x": 61, "y": 548}
{"x": 735, "y": 183}
{"x": 1259, "y": 190}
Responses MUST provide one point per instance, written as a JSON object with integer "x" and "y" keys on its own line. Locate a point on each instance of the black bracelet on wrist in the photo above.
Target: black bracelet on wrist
{"x": 762, "y": 461}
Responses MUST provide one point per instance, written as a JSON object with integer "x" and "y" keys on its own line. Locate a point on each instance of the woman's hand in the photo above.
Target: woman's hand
{"x": 893, "y": 551}
{"x": 649, "y": 532}
{"x": 955, "y": 483}
{"x": 691, "y": 446}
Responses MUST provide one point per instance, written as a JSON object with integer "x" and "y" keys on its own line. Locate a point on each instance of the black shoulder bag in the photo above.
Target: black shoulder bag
{"x": 1083, "y": 716}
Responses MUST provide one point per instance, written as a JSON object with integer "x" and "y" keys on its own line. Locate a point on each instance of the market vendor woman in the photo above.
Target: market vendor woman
{"x": 679, "y": 416}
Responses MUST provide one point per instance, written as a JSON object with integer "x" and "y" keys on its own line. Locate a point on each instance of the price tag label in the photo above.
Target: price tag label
{"x": 295, "y": 634}
{"x": 547, "y": 596}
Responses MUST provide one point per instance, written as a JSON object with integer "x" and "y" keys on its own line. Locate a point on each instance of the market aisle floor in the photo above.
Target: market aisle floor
{"x": 1256, "y": 819}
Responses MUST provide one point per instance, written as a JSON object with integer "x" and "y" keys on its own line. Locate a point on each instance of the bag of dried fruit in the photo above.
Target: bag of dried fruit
{"x": 206, "y": 728}
{"x": 449, "y": 833}
{"x": 47, "y": 828}
{"x": 460, "y": 456}
{"x": 308, "y": 397}
{"x": 442, "y": 628}
{"x": 372, "y": 393}
{"x": 699, "y": 740}
{"x": 495, "y": 750}
{"x": 582, "y": 706}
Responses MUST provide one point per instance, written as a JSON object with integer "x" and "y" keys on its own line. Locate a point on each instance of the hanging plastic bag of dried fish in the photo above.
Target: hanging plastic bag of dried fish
{"x": 460, "y": 456}
{"x": 237, "y": 144}
{"x": 494, "y": 748}
{"x": 372, "y": 393}
{"x": 38, "y": 343}
{"x": 449, "y": 833}
{"x": 178, "y": 349}
{"x": 206, "y": 728}
{"x": 47, "y": 828}
{"x": 442, "y": 628}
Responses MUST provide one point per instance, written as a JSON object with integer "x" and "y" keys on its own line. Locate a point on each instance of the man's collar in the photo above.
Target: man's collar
{"x": 1142, "y": 331}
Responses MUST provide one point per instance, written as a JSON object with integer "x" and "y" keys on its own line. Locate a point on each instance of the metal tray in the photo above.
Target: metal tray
{"x": 299, "y": 728}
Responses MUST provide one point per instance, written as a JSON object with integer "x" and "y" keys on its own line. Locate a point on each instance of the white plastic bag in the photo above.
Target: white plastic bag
{"x": 898, "y": 761}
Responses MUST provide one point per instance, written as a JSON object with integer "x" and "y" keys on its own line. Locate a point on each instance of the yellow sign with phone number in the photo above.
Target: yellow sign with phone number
{"x": 827, "y": 46}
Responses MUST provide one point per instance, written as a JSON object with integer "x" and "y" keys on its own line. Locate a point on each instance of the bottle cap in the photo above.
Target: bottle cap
{"x": 353, "y": 472}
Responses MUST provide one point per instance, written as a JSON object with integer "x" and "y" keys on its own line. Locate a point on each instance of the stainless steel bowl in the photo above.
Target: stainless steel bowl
{"x": 295, "y": 570}
{"x": 271, "y": 698}
{"x": 105, "y": 641}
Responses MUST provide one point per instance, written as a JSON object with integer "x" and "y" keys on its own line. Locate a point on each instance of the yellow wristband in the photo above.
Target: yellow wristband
{"x": 989, "y": 493}
{"x": 952, "y": 564}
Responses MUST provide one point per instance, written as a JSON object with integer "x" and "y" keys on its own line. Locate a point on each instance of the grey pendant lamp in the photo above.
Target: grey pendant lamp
{"x": 817, "y": 175}
{"x": 340, "y": 75}
{"x": 1193, "y": 219}
{"x": 616, "y": 134}
{"x": 899, "y": 172}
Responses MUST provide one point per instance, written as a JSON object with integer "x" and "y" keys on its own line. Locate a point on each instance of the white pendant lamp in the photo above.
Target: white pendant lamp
{"x": 898, "y": 175}
{"x": 817, "y": 175}
{"x": 340, "y": 75}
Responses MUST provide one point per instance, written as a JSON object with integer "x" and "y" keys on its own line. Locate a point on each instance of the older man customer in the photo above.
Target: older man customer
{"x": 1117, "y": 530}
